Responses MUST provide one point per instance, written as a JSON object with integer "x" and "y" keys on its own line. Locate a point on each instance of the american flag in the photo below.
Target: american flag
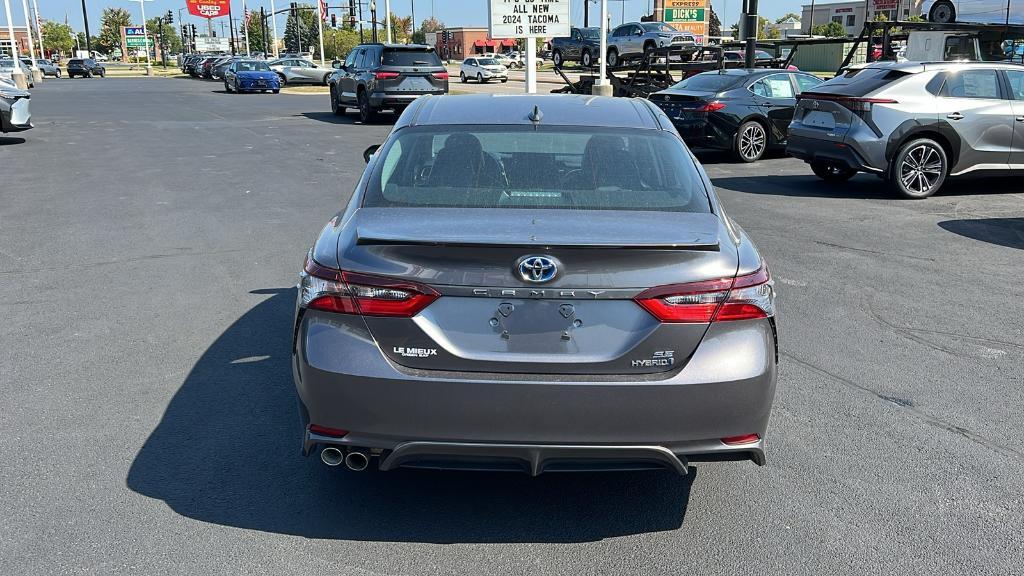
{"x": 247, "y": 16}
{"x": 323, "y": 9}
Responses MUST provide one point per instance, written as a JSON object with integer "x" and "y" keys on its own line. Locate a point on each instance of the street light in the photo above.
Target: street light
{"x": 602, "y": 87}
{"x": 145, "y": 34}
{"x": 16, "y": 75}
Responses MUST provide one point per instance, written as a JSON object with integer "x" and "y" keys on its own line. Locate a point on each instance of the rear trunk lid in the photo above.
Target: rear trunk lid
{"x": 490, "y": 318}
{"x": 411, "y": 70}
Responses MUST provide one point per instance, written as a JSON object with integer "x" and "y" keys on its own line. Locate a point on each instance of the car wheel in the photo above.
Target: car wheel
{"x": 336, "y": 108}
{"x": 503, "y": 80}
{"x": 586, "y": 59}
{"x": 479, "y": 78}
{"x": 462, "y": 77}
{"x": 750, "y": 141}
{"x": 276, "y": 91}
{"x": 367, "y": 115}
{"x": 649, "y": 49}
{"x": 88, "y": 73}
{"x": 58, "y": 73}
{"x": 830, "y": 172}
{"x": 227, "y": 87}
{"x": 283, "y": 79}
{"x": 613, "y": 57}
{"x": 918, "y": 169}
{"x": 556, "y": 57}
{"x": 103, "y": 73}
{"x": 326, "y": 78}
{"x": 943, "y": 13}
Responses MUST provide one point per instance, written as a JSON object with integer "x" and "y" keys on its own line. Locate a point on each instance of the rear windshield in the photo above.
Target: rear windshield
{"x": 709, "y": 82}
{"x": 487, "y": 61}
{"x": 547, "y": 167}
{"x": 860, "y": 81}
{"x": 76, "y": 62}
{"x": 406, "y": 57}
{"x": 252, "y": 66}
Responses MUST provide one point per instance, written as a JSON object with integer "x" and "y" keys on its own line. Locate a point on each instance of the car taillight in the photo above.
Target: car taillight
{"x": 742, "y": 298}
{"x": 859, "y": 106}
{"x": 440, "y": 75}
{"x": 353, "y": 293}
{"x": 385, "y": 75}
{"x": 711, "y": 107}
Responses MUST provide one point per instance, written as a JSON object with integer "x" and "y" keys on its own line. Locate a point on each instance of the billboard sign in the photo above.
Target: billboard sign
{"x": 688, "y": 16}
{"x": 208, "y": 8}
{"x": 529, "y": 18}
{"x": 213, "y": 44}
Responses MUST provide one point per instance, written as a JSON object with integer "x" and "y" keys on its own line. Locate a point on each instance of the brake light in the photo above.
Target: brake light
{"x": 385, "y": 75}
{"x": 325, "y": 431}
{"x": 440, "y": 75}
{"x": 711, "y": 107}
{"x": 344, "y": 292}
{"x": 744, "y": 439}
{"x": 742, "y": 298}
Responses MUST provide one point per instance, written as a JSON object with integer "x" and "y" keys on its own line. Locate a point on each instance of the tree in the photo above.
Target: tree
{"x": 714, "y": 24}
{"x": 256, "y": 41}
{"x": 110, "y": 28}
{"x": 300, "y": 29}
{"x": 172, "y": 42}
{"x": 764, "y": 31}
{"x": 831, "y": 30}
{"x": 792, "y": 15}
{"x": 58, "y": 37}
{"x": 401, "y": 28}
{"x": 431, "y": 25}
{"x": 338, "y": 42}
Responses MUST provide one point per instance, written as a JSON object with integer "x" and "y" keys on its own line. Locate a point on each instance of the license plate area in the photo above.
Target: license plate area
{"x": 820, "y": 119}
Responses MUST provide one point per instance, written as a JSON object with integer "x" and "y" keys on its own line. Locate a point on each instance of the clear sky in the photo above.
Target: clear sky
{"x": 451, "y": 12}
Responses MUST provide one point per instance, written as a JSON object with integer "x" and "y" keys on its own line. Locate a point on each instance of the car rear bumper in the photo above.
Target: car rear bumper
{"x": 417, "y": 418}
{"x": 818, "y": 150}
{"x": 400, "y": 100}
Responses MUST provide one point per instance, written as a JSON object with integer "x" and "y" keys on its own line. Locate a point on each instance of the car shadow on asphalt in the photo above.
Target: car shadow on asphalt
{"x": 861, "y": 186}
{"x": 384, "y": 118}
{"x": 227, "y": 452}
{"x": 8, "y": 140}
{"x": 1007, "y": 232}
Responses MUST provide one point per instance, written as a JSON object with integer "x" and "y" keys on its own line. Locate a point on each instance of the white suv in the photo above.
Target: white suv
{"x": 483, "y": 69}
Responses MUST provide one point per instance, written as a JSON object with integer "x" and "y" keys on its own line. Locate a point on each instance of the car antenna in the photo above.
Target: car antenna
{"x": 536, "y": 115}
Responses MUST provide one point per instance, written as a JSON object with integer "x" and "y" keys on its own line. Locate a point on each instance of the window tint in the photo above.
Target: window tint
{"x": 371, "y": 58}
{"x": 972, "y": 84}
{"x": 1016, "y": 78}
{"x": 709, "y": 81}
{"x": 806, "y": 81}
{"x": 350, "y": 60}
{"x": 411, "y": 58}
{"x": 621, "y": 31}
{"x": 553, "y": 167}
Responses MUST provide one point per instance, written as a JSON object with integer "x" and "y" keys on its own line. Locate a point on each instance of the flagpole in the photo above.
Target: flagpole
{"x": 39, "y": 28}
{"x": 273, "y": 18}
{"x": 245, "y": 27}
{"x": 321, "y": 11}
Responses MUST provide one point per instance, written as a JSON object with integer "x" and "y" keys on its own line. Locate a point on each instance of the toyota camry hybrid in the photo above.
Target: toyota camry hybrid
{"x": 534, "y": 283}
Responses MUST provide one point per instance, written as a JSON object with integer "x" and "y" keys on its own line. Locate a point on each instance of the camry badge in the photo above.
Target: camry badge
{"x": 537, "y": 269}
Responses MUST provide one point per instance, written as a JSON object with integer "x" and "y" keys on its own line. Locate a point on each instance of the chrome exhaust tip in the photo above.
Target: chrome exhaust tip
{"x": 331, "y": 456}
{"x": 357, "y": 461}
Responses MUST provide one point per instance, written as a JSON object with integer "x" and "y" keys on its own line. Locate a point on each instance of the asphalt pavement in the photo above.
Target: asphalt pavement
{"x": 151, "y": 232}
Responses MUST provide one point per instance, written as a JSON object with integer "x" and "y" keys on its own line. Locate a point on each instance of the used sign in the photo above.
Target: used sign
{"x": 529, "y": 18}
{"x": 208, "y": 8}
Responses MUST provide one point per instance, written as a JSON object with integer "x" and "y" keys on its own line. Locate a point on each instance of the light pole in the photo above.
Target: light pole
{"x": 37, "y": 75}
{"x": 39, "y": 28}
{"x": 273, "y": 17}
{"x": 16, "y": 75}
{"x": 145, "y": 34}
{"x": 387, "y": 19}
{"x": 602, "y": 87}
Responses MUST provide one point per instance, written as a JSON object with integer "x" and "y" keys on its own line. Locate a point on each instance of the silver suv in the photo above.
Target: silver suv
{"x": 636, "y": 39}
{"x": 912, "y": 123}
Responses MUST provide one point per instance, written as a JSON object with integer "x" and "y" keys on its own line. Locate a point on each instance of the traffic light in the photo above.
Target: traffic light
{"x": 170, "y": 17}
{"x": 334, "y": 21}
{"x": 352, "y": 13}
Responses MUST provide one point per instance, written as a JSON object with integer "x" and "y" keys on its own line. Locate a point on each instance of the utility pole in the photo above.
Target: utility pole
{"x": 586, "y": 13}
{"x": 750, "y": 31}
{"x": 387, "y": 19}
{"x": 37, "y": 75}
{"x": 810, "y": 24}
{"x": 321, "y": 13}
{"x": 85, "y": 19}
{"x": 231, "y": 28}
{"x": 412, "y": 8}
{"x": 273, "y": 16}
{"x": 361, "y": 22}
{"x": 39, "y": 28}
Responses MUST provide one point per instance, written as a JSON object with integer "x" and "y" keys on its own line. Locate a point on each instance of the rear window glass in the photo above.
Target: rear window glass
{"x": 74, "y": 62}
{"x": 411, "y": 58}
{"x": 860, "y": 81}
{"x": 546, "y": 167}
{"x": 713, "y": 82}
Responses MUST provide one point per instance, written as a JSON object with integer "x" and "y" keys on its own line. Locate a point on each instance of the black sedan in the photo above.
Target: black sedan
{"x": 745, "y": 111}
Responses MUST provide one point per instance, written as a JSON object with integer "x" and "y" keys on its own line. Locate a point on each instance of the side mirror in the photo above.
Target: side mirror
{"x": 337, "y": 65}
{"x": 370, "y": 151}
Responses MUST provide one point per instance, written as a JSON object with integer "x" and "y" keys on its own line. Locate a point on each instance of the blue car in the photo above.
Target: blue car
{"x": 250, "y": 76}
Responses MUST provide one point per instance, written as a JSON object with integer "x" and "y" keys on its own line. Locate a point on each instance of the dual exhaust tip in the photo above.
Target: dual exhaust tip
{"x": 355, "y": 460}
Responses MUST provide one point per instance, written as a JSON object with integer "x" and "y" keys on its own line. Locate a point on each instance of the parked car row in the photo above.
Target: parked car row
{"x": 378, "y": 77}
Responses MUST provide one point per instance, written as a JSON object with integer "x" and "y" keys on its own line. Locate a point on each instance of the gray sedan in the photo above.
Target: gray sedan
{"x": 14, "y": 111}
{"x": 299, "y": 70}
{"x": 534, "y": 283}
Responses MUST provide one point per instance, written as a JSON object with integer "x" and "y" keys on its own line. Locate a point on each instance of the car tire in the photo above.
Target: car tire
{"x": 586, "y": 59}
{"x": 830, "y": 172}
{"x": 284, "y": 80}
{"x": 942, "y": 13}
{"x": 556, "y": 57}
{"x": 613, "y": 57}
{"x": 227, "y": 87}
{"x": 88, "y": 73}
{"x": 462, "y": 77}
{"x": 326, "y": 78}
{"x": 479, "y": 78}
{"x": 750, "y": 141}
{"x": 649, "y": 48}
{"x": 503, "y": 80}
{"x": 276, "y": 91}
{"x": 367, "y": 115}
{"x": 103, "y": 73}
{"x": 336, "y": 108}
{"x": 918, "y": 169}
{"x": 57, "y": 75}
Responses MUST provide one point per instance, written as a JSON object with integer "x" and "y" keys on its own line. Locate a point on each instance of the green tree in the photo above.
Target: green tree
{"x": 300, "y": 30}
{"x": 256, "y": 40}
{"x": 338, "y": 42}
{"x": 431, "y": 25}
{"x": 401, "y": 28}
{"x": 110, "y": 29}
{"x": 764, "y": 31}
{"x": 787, "y": 16}
{"x": 831, "y": 30}
{"x": 172, "y": 42}
{"x": 714, "y": 24}
{"x": 58, "y": 37}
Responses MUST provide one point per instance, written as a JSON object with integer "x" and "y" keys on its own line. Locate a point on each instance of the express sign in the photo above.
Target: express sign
{"x": 208, "y": 8}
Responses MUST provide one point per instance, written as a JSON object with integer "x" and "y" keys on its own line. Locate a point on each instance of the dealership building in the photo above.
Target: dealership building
{"x": 20, "y": 35}
{"x": 852, "y": 14}
{"x": 469, "y": 41}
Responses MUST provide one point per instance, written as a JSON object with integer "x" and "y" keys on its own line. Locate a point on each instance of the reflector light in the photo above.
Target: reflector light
{"x": 744, "y": 439}
{"x": 325, "y": 431}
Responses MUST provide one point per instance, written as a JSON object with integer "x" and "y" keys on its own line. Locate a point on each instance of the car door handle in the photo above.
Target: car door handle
{"x": 955, "y": 116}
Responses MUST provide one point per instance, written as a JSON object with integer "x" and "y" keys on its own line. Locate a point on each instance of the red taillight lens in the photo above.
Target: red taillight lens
{"x": 385, "y": 75}
{"x": 711, "y": 107}
{"x": 744, "y": 439}
{"x": 440, "y": 75}
{"x": 325, "y": 431}
{"x": 741, "y": 298}
{"x": 353, "y": 293}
